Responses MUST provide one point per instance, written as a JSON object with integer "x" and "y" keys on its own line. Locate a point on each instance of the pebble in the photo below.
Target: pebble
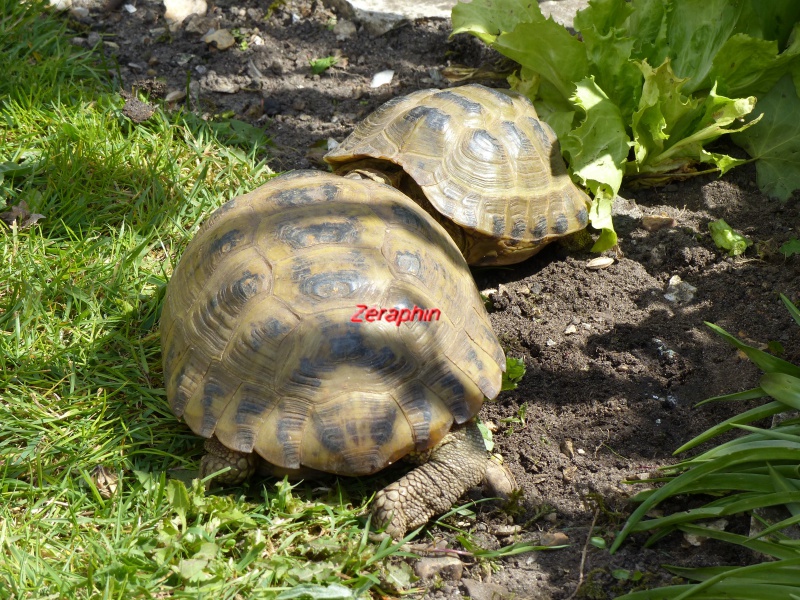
{"x": 93, "y": 39}
{"x": 221, "y": 39}
{"x": 678, "y": 291}
{"x": 558, "y": 538}
{"x": 570, "y": 330}
{"x": 79, "y": 12}
{"x": 175, "y": 96}
{"x": 178, "y": 10}
{"x": 382, "y": 78}
{"x": 446, "y": 567}
{"x": 656, "y": 222}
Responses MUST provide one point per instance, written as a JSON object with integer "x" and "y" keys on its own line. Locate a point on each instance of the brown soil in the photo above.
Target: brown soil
{"x": 613, "y": 368}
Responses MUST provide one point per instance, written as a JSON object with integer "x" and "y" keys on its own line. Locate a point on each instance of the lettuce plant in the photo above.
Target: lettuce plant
{"x": 646, "y": 85}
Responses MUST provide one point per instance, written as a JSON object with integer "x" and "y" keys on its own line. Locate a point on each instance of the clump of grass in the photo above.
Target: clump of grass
{"x": 88, "y": 504}
{"x": 747, "y": 476}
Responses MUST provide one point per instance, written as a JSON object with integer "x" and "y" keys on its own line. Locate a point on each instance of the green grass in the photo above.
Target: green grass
{"x": 755, "y": 475}
{"x": 80, "y": 363}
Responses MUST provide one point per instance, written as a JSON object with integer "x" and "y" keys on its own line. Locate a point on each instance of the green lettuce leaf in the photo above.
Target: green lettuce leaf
{"x": 775, "y": 141}
{"x": 747, "y": 66}
{"x": 487, "y": 19}
{"x": 608, "y": 48}
{"x": 598, "y": 149}
{"x": 647, "y": 26}
{"x": 546, "y": 48}
{"x": 670, "y": 129}
{"x": 661, "y": 105}
{"x": 696, "y": 30}
{"x": 772, "y": 20}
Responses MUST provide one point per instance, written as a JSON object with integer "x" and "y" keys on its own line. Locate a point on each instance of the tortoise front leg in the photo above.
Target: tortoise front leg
{"x": 243, "y": 465}
{"x": 454, "y": 466}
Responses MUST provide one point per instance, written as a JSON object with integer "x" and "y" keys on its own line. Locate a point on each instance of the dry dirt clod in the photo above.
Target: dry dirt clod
{"x": 446, "y": 567}
{"x": 567, "y": 449}
{"x": 480, "y": 590}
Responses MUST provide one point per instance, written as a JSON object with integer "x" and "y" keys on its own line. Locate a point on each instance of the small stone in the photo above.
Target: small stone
{"x": 581, "y": 451}
{"x": 79, "y": 12}
{"x": 570, "y": 330}
{"x": 382, "y": 78}
{"x": 446, "y": 567}
{"x": 178, "y": 10}
{"x": 93, "y": 39}
{"x": 175, "y": 96}
{"x": 656, "y": 222}
{"x": 480, "y": 590}
{"x": 506, "y": 530}
{"x": 550, "y": 343}
{"x": 558, "y": 538}
{"x": 678, "y": 291}
{"x": 221, "y": 39}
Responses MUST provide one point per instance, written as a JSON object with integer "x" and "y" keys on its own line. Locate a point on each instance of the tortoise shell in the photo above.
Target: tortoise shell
{"x": 266, "y": 347}
{"x": 482, "y": 159}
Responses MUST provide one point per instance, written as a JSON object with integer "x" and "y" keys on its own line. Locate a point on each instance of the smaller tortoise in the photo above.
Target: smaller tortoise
{"x": 479, "y": 160}
{"x": 272, "y": 349}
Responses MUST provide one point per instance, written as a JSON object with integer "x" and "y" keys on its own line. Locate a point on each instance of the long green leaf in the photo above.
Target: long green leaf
{"x": 766, "y": 362}
{"x": 754, "y": 414}
{"x": 783, "y": 387}
{"x": 751, "y": 453}
{"x": 773, "y": 549}
{"x": 793, "y": 310}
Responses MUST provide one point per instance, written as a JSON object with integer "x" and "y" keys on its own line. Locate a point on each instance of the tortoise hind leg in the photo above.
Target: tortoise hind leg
{"x": 454, "y": 466}
{"x": 242, "y": 465}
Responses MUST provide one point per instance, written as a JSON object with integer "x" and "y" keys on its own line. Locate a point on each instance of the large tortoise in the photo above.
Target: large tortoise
{"x": 275, "y": 345}
{"x": 479, "y": 160}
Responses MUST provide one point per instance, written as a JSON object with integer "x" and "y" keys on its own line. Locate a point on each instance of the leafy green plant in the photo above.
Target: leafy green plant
{"x": 727, "y": 239}
{"x": 648, "y": 84}
{"x": 320, "y": 65}
{"x": 791, "y": 247}
{"x": 515, "y": 371}
{"x": 747, "y": 475}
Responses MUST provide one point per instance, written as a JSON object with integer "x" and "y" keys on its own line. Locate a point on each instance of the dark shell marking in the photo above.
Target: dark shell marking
{"x": 260, "y": 350}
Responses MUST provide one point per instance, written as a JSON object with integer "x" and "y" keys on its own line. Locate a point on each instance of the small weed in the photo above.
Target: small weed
{"x": 519, "y": 419}
{"x": 320, "y": 65}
